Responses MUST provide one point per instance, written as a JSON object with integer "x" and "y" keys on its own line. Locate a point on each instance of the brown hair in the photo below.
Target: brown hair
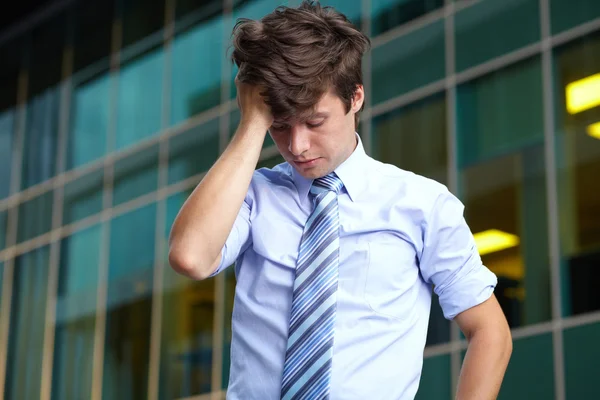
{"x": 297, "y": 54}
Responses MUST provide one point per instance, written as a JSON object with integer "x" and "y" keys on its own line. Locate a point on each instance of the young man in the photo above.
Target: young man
{"x": 336, "y": 253}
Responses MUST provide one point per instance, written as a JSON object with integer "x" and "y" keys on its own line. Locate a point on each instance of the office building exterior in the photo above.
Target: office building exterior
{"x": 112, "y": 111}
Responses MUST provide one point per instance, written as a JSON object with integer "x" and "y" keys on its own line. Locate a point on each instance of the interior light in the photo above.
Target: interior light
{"x": 583, "y": 94}
{"x": 594, "y": 130}
{"x": 494, "y": 240}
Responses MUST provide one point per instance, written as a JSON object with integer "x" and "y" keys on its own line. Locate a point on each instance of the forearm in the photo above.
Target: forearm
{"x": 207, "y": 217}
{"x": 484, "y": 365}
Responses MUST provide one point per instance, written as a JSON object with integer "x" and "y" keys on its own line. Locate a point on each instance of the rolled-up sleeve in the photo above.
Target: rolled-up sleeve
{"x": 450, "y": 260}
{"x": 238, "y": 240}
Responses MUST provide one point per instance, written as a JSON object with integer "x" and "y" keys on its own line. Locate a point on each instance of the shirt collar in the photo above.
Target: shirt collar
{"x": 352, "y": 172}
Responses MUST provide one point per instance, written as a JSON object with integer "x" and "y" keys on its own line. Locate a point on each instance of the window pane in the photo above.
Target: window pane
{"x": 9, "y": 78}
{"x": 565, "y": 14}
{"x": 27, "y": 323}
{"x": 76, "y": 314}
{"x": 1, "y": 280}
{"x": 414, "y": 138}
{"x": 251, "y": 9}
{"x": 3, "y": 227}
{"x": 487, "y": 30}
{"x": 582, "y": 369}
{"x": 194, "y": 151}
{"x": 506, "y": 197}
{"x": 41, "y": 126}
{"x": 185, "y": 9}
{"x": 435, "y": 379}
{"x": 93, "y": 31}
{"x": 197, "y": 78}
{"x": 187, "y": 327}
{"x": 83, "y": 197}
{"x": 387, "y": 14}
{"x": 141, "y": 18}
{"x": 136, "y": 175}
{"x": 408, "y": 62}
{"x": 500, "y": 112}
{"x": 234, "y": 121}
{"x": 578, "y": 162}
{"x": 530, "y": 373}
{"x": 129, "y": 305}
{"x": 140, "y": 98}
{"x": 35, "y": 217}
{"x": 90, "y": 109}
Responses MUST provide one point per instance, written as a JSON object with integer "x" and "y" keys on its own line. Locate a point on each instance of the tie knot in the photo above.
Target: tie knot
{"x": 330, "y": 182}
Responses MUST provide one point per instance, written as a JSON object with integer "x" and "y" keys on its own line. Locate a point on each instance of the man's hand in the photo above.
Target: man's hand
{"x": 488, "y": 353}
{"x": 252, "y": 105}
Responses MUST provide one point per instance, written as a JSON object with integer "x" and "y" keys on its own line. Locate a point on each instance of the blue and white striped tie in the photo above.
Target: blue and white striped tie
{"x": 307, "y": 368}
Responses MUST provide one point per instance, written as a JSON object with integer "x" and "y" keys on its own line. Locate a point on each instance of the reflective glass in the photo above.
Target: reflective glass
{"x": 140, "y": 19}
{"x": 83, "y": 197}
{"x": 234, "y": 121}
{"x": 408, "y": 62}
{"x": 435, "y": 381}
{"x": 577, "y": 118}
{"x": 194, "y": 151}
{"x": 187, "y": 326}
{"x": 191, "y": 9}
{"x": 140, "y": 98}
{"x": 502, "y": 183}
{"x": 414, "y": 138}
{"x": 565, "y": 14}
{"x": 41, "y": 125}
{"x": 76, "y": 314}
{"x": 90, "y": 108}
{"x": 196, "y": 78}
{"x": 486, "y": 30}
{"x": 582, "y": 369}
{"x": 3, "y": 227}
{"x": 35, "y": 217}
{"x": 92, "y": 32}
{"x": 530, "y": 372}
{"x": 387, "y": 14}
{"x": 129, "y": 305}
{"x": 27, "y": 324}
{"x": 1, "y": 280}
{"x": 136, "y": 175}
{"x": 9, "y": 78}
{"x": 251, "y": 9}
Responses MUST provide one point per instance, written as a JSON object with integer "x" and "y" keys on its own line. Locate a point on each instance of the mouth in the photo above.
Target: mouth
{"x": 306, "y": 163}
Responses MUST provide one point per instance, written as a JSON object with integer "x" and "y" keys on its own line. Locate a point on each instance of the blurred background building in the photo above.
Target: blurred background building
{"x": 111, "y": 111}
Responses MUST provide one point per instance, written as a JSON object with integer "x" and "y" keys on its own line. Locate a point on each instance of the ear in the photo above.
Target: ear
{"x": 358, "y": 99}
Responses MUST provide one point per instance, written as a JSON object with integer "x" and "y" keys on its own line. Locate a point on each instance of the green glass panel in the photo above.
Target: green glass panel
{"x": 10, "y": 54}
{"x": 408, "y": 62}
{"x": 565, "y": 14}
{"x": 435, "y": 379}
{"x": 3, "y": 228}
{"x": 387, "y": 14}
{"x": 500, "y": 112}
{"x": 136, "y": 175}
{"x": 582, "y": 369}
{"x": 194, "y": 151}
{"x": 35, "y": 217}
{"x": 7, "y": 124}
{"x": 486, "y": 30}
{"x": 83, "y": 197}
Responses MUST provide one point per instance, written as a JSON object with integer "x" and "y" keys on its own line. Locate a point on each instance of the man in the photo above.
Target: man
{"x": 336, "y": 253}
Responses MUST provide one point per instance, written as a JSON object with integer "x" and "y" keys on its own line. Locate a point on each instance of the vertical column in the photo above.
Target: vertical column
{"x": 160, "y": 245}
{"x": 452, "y": 166}
{"x": 57, "y": 212}
{"x": 552, "y": 200}
{"x": 13, "y": 217}
{"x": 101, "y": 295}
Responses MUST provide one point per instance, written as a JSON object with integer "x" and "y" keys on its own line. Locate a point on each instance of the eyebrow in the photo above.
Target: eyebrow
{"x": 318, "y": 115}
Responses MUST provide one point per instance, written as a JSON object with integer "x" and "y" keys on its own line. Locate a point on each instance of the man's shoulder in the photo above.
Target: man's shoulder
{"x": 408, "y": 182}
{"x": 278, "y": 174}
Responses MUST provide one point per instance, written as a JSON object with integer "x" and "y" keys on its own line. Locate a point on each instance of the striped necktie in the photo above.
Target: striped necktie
{"x": 307, "y": 368}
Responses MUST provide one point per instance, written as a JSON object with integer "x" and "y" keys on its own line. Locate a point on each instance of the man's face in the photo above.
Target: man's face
{"x": 319, "y": 144}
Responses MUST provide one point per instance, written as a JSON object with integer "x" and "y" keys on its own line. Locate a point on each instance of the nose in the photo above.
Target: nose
{"x": 299, "y": 140}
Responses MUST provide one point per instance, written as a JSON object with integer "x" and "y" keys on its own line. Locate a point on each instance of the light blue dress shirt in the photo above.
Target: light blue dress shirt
{"x": 401, "y": 235}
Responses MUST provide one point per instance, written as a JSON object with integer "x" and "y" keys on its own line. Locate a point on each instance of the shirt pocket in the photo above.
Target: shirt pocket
{"x": 392, "y": 274}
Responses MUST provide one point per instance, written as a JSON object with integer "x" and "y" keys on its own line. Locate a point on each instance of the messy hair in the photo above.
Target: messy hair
{"x": 297, "y": 55}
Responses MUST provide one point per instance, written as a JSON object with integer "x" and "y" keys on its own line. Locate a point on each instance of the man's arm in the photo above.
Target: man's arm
{"x": 489, "y": 349}
{"x": 204, "y": 222}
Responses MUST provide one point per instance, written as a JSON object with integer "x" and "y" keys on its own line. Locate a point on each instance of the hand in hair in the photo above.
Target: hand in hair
{"x": 252, "y": 105}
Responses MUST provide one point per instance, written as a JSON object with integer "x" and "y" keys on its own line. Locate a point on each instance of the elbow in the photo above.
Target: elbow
{"x": 186, "y": 264}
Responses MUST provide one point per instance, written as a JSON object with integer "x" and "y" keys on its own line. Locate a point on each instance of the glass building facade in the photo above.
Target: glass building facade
{"x": 112, "y": 111}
